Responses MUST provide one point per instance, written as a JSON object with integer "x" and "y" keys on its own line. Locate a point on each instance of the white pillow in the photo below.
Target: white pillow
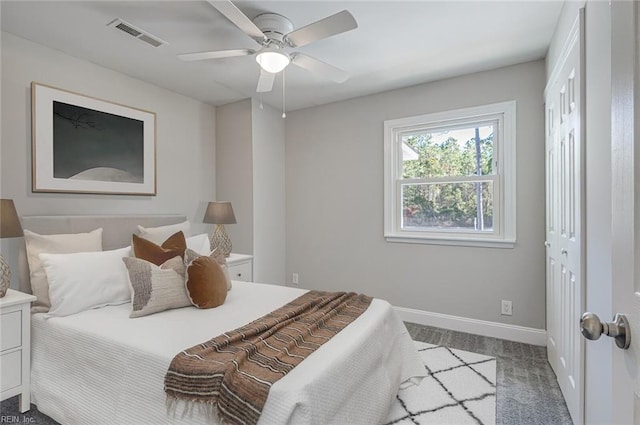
{"x": 200, "y": 244}
{"x": 158, "y": 235}
{"x": 86, "y": 280}
{"x": 54, "y": 244}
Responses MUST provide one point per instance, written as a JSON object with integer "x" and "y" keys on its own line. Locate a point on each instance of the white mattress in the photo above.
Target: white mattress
{"x": 101, "y": 367}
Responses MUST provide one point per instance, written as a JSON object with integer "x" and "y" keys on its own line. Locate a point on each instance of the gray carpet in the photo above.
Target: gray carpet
{"x": 527, "y": 393}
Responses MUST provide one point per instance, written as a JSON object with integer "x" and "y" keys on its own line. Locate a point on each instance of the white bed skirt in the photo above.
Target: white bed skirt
{"x": 101, "y": 367}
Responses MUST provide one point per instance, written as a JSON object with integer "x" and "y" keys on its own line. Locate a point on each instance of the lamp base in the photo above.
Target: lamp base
{"x": 220, "y": 240}
{"x": 5, "y": 276}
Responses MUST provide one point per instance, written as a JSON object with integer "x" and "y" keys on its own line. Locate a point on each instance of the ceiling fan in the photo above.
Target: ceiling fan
{"x": 274, "y": 33}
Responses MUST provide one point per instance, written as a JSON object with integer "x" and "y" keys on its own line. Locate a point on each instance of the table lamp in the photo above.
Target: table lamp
{"x": 220, "y": 213}
{"x": 9, "y": 228}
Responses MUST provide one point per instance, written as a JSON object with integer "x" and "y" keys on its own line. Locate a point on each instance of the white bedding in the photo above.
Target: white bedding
{"x": 101, "y": 367}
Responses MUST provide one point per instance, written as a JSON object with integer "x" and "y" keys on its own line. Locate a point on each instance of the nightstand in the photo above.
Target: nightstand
{"x": 15, "y": 347}
{"x": 240, "y": 267}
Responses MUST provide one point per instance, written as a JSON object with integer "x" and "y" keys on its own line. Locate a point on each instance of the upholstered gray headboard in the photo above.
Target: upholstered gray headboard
{"x": 117, "y": 231}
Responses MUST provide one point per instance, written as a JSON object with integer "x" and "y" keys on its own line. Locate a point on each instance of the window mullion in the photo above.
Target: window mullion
{"x": 450, "y": 179}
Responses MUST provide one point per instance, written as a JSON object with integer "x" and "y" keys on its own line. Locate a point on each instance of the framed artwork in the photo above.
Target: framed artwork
{"x": 86, "y": 145}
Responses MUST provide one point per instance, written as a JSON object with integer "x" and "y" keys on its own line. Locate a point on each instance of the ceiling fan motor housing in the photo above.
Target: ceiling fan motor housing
{"x": 274, "y": 26}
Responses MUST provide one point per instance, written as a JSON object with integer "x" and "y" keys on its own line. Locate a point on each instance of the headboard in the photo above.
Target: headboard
{"x": 116, "y": 234}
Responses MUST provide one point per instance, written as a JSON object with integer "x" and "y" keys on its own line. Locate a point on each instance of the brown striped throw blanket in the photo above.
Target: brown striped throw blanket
{"x": 233, "y": 372}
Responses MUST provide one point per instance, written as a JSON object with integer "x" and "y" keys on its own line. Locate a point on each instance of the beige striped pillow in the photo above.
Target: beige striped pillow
{"x": 156, "y": 288}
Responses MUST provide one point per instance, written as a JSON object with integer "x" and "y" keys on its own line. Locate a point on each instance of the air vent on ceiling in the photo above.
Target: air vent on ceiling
{"x": 136, "y": 32}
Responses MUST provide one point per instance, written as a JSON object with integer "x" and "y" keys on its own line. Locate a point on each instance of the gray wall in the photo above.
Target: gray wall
{"x": 234, "y": 170}
{"x": 185, "y": 142}
{"x": 334, "y": 181}
{"x": 268, "y": 195}
{"x": 250, "y": 174}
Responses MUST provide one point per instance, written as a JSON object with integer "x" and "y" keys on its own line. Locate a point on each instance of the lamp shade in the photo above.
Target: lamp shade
{"x": 272, "y": 60}
{"x": 219, "y": 213}
{"x": 9, "y": 222}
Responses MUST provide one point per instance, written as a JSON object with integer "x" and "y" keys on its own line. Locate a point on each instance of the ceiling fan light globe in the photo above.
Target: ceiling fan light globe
{"x": 273, "y": 61}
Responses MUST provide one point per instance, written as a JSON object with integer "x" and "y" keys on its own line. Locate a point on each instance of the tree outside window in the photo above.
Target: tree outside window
{"x": 431, "y": 203}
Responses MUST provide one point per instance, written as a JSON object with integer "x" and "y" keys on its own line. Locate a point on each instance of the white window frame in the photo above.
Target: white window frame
{"x": 504, "y": 234}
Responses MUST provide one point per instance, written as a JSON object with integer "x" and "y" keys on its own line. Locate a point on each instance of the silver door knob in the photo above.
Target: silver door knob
{"x": 591, "y": 328}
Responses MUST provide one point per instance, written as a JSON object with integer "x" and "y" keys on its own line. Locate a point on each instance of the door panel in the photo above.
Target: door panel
{"x": 598, "y": 383}
{"x": 564, "y": 165}
{"x": 625, "y": 226}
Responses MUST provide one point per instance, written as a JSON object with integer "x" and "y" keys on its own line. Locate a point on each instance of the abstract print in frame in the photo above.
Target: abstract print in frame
{"x": 86, "y": 145}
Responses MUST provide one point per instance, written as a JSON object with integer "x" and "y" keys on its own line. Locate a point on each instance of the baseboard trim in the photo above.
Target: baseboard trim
{"x": 474, "y": 326}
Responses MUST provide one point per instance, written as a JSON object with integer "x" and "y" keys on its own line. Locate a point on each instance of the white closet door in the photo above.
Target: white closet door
{"x": 564, "y": 195}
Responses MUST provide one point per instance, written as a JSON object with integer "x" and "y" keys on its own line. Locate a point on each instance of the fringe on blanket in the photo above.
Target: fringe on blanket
{"x": 185, "y": 408}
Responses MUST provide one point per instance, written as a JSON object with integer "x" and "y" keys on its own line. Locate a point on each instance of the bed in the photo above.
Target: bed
{"x": 100, "y": 366}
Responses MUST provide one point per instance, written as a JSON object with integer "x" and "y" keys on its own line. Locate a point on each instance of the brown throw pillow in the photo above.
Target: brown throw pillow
{"x": 149, "y": 251}
{"x": 205, "y": 281}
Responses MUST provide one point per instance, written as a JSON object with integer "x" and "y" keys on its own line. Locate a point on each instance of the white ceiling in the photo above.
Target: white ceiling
{"x": 397, "y": 43}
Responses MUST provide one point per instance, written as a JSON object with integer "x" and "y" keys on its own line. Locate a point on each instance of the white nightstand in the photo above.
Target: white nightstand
{"x": 15, "y": 347}
{"x": 240, "y": 267}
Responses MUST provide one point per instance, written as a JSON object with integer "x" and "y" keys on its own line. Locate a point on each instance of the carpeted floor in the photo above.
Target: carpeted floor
{"x": 527, "y": 390}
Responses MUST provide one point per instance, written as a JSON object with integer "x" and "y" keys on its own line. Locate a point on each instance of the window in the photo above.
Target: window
{"x": 450, "y": 177}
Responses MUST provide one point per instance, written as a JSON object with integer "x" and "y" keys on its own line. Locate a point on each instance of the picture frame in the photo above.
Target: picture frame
{"x": 82, "y": 144}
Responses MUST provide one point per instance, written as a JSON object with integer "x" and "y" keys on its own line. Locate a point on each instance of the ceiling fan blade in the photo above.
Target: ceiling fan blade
{"x": 235, "y": 15}
{"x": 318, "y": 67}
{"x": 216, "y": 54}
{"x": 265, "y": 82}
{"x": 327, "y": 27}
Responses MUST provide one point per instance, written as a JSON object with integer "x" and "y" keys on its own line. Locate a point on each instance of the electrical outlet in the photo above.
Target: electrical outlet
{"x": 294, "y": 278}
{"x": 507, "y": 308}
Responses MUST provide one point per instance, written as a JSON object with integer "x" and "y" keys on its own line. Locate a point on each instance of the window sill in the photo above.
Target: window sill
{"x": 452, "y": 241}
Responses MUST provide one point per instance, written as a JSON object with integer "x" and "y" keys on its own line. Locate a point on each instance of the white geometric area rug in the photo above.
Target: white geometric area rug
{"x": 460, "y": 389}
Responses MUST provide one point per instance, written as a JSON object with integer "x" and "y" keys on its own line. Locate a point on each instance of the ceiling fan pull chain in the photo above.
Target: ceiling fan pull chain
{"x": 260, "y": 106}
{"x": 284, "y": 114}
